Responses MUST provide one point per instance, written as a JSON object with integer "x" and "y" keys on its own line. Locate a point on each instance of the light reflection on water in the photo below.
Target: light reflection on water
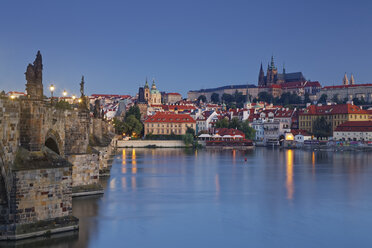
{"x": 259, "y": 198}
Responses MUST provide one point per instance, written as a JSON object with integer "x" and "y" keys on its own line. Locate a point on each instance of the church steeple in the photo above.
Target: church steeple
{"x": 272, "y": 65}
{"x": 352, "y": 81}
{"x": 261, "y": 77}
{"x": 345, "y": 81}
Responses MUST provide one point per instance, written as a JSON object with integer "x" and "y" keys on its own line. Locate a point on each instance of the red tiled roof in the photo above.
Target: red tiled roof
{"x": 333, "y": 109}
{"x": 355, "y": 126}
{"x": 299, "y": 131}
{"x": 168, "y": 117}
{"x": 346, "y": 86}
{"x": 301, "y": 84}
{"x": 229, "y": 131}
{"x": 109, "y": 95}
{"x": 179, "y": 107}
{"x": 16, "y": 92}
{"x": 174, "y": 94}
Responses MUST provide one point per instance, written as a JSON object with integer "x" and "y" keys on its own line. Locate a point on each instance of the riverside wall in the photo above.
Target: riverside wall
{"x": 151, "y": 143}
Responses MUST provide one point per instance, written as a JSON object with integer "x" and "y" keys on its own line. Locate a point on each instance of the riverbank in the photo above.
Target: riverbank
{"x": 150, "y": 144}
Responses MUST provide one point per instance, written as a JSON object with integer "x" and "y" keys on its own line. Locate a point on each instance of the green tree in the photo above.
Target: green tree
{"x": 323, "y": 99}
{"x": 235, "y": 123}
{"x": 307, "y": 98}
{"x": 336, "y": 99}
{"x": 188, "y": 139}
{"x": 223, "y": 123}
{"x": 202, "y": 98}
{"x": 132, "y": 126}
{"x": 265, "y": 97}
{"x": 119, "y": 126}
{"x": 215, "y": 98}
{"x": 250, "y": 132}
{"x": 190, "y": 131}
{"x": 134, "y": 110}
{"x": 227, "y": 98}
{"x": 321, "y": 128}
{"x": 358, "y": 101}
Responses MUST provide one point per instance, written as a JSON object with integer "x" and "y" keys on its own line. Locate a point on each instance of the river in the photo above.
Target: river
{"x": 202, "y": 198}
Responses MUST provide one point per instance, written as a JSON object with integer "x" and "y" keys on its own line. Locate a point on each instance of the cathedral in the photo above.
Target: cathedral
{"x": 273, "y": 77}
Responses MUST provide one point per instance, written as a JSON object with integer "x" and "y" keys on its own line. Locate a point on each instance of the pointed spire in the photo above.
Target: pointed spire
{"x": 146, "y": 84}
{"x": 283, "y": 68}
{"x": 272, "y": 62}
{"x": 352, "y": 80}
{"x": 345, "y": 81}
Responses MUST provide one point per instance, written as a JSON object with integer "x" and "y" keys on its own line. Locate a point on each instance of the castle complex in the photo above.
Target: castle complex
{"x": 273, "y": 77}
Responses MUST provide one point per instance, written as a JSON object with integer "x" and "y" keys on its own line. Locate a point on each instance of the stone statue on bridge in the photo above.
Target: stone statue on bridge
{"x": 82, "y": 87}
{"x": 97, "y": 109}
{"x": 83, "y": 103}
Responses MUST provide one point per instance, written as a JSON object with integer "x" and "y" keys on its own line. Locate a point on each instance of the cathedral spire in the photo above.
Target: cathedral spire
{"x": 283, "y": 68}
{"x": 352, "y": 81}
{"x": 345, "y": 81}
{"x": 261, "y": 77}
{"x": 272, "y": 62}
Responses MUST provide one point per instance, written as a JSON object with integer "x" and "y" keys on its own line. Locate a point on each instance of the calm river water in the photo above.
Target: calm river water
{"x": 259, "y": 198}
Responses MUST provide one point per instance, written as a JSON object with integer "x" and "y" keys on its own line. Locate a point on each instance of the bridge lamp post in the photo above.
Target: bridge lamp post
{"x": 12, "y": 96}
{"x": 51, "y": 88}
{"x": 64, "y": 93}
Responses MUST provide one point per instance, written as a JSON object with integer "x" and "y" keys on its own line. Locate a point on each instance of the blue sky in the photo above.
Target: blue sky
{"x": 182, "y": 44}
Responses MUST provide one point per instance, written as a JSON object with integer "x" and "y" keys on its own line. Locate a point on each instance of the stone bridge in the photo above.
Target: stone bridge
{"x": 47, "y": 154}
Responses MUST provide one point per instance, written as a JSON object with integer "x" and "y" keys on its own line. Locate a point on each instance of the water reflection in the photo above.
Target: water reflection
{"x": 289, "y": 182}
{"x": 173, "y": 193}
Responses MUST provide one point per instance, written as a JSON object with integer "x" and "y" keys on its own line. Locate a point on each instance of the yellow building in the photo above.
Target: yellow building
{"x": 166, "y": 123}
{"x": 334, "y": 114}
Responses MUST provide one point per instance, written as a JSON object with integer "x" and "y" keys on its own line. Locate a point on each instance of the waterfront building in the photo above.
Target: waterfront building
{"x": 167, "y": 123}
{"x": 204, "y": 121}
{"x": 354, "y": 131}
{"x": 300, "y": 135}
{"x": 333, "y": 114}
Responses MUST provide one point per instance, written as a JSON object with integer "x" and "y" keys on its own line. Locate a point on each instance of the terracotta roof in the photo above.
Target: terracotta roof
{"x": 229, "y": 131}
{"x": 355, "y": 126}
{"x": 110, "y": 95}
{"x": 299, "y": 131}
{"x": 301, "y": 84}
{"x": 346, "y": 86}
{"x": 174, "y": 94}
{"x": 333, "y": 109}
{"x": 168, "y": 117}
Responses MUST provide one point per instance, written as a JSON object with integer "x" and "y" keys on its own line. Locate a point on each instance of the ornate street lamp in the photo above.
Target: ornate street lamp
{"x": 52, "y": 88}
{"x": 64, "y": 93}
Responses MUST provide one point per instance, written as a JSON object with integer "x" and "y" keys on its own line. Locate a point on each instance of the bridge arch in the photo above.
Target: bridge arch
{"x": 54, "y": 142}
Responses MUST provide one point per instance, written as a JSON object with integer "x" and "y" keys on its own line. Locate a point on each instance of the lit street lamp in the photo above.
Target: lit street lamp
{"x": 64, "y": 93}
{"x": 52, "y": 88}
{"x": 12, "y": 96}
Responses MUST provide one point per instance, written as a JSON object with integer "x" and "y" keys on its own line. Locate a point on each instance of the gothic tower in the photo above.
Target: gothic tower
{"x": 146, "y": 90}
{"x": 261, "y": 77}
{"x": 352, "y": 81}
{"x": 34, "y": 78}
{"x": 272, "y": 73}
{"x": 345, "y": 81}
